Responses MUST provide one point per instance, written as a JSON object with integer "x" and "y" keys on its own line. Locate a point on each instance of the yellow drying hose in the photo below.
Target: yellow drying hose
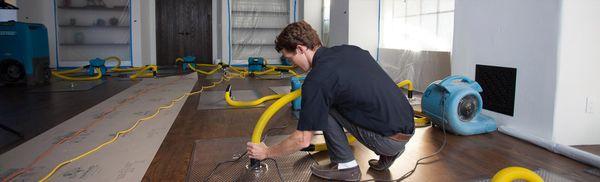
{"x": 69, "y": 71}
{"x": 274, "y": 108}
{"x": 204, "y": 72}
{"x": 238, "y": 69}
{"x": 293, "y": 72}
{"x": 263, "y": 72}
{"x": 142, "y": 72}
{"x": 282, "y": 67}
{"x": 59, "y": 75}
{"x": 118, "y": 68}
{"x": 116, "y": 59}
{"x": 207, "y": 65}
{"x": 410, "y": 87}
{"x": 266, "y": 116}
{"x": 232, "y": 102}
{"x": 510, "y": 174}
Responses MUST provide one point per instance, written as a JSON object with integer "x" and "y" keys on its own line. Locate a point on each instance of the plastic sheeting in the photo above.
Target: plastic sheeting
{"x": 93, "y": 29}
{"x": 8, "y": 11}
{"x": 8, "y": 15}
{"x": 416, "y": 40}
{"x": 421, "y": 67}
{"x": 573, "y": 153}
{"x": 254, "y": 26}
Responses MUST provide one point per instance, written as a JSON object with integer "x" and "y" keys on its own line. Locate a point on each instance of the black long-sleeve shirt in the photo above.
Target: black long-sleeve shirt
{"x": 349, "y": 80}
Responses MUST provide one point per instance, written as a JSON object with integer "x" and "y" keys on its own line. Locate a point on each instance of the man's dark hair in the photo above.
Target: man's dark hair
{"x": 297, "y": 33}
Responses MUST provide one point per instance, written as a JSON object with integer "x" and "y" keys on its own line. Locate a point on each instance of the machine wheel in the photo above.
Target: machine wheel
{"x": 11, "y": 71}
{"x": 42, "y": 74}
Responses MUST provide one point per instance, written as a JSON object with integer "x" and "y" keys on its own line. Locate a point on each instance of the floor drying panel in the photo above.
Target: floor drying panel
{"x": 207, "y": 153}
{"x": 281, "y": 89}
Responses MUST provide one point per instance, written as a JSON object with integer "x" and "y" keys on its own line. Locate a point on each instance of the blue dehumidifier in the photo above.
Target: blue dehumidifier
{"x": 455, "y": 102}
{"x": 24, "y": 55}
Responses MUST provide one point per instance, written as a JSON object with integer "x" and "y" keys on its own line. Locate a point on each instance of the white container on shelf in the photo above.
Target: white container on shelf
{"x": 8, "y": 14}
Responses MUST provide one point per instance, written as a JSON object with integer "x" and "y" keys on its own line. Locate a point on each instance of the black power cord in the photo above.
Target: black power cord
{"x": 245, "y": 153}
{"x": 409, "y": 173}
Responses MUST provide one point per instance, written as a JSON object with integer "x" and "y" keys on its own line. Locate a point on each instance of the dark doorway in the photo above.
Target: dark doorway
{"x": 183, "y": 28}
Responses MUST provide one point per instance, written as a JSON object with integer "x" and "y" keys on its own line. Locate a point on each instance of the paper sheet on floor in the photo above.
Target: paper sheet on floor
{"x": 128, "y": 158}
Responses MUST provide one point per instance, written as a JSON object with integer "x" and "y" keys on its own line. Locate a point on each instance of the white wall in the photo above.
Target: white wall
{"x": 338, "y": 28}
{"x": 354, "y": 22}
{"x": 148, "y": 32}
{"x": 136, "y": 33}
{"x": 522, "y": 34}
{"x": 363, "y": 22}
{"x": 313, "y": 14}
{"x": 578, "y": 64}
{"x": 40, "y": 12}
{"x": 224, "y": 31}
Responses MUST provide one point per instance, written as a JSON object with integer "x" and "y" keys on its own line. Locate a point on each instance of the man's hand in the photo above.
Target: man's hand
{"x": 293, "y": 143}
{"x": 257, "y": 151}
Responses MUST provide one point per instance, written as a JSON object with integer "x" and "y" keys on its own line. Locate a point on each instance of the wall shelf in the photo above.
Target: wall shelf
{"x": 116, "y": 8}
{"x": 81, "y": 39}
{"x": 92, "y": 27}
{"x": 95, "y": 44}
{"x": 260, "y": 12}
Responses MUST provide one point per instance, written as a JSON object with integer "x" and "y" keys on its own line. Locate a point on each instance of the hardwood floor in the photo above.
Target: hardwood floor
{"x": 33, "y": 113}
{"x": 464, "y": 158}
{"x": 171, "y": 160}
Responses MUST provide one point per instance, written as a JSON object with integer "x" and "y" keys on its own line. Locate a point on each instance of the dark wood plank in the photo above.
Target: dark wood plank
{"x": 34, "y": 113}
{"x": 171, "y": 161}
{"x": 464, "y": 158}
{"x": 167, "y": 40}
{"x": 199, "y": 27}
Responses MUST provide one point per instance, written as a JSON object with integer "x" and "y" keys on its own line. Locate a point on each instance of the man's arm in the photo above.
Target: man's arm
{"x": 295, "y": 142}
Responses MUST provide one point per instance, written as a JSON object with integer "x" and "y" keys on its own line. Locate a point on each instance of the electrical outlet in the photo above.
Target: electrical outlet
{"x": 589, "y": 105}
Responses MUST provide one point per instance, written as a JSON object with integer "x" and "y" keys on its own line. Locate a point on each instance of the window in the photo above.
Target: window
{"x": 417, "y": 24}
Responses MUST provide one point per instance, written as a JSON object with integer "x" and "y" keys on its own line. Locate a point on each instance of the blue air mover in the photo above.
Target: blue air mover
{"x": 97, "y": 63}
{"x": 188, "y": 60}
{"x": 24, "y": 55}
{"x": 456, "y": 102}
{"x": 297, "y": 84}
{"x": 256, "y": 64}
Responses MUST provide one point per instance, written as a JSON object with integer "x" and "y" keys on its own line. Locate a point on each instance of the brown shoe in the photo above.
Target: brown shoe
{"x": 331, "y": 172}
{"x": 383, "y": 163}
